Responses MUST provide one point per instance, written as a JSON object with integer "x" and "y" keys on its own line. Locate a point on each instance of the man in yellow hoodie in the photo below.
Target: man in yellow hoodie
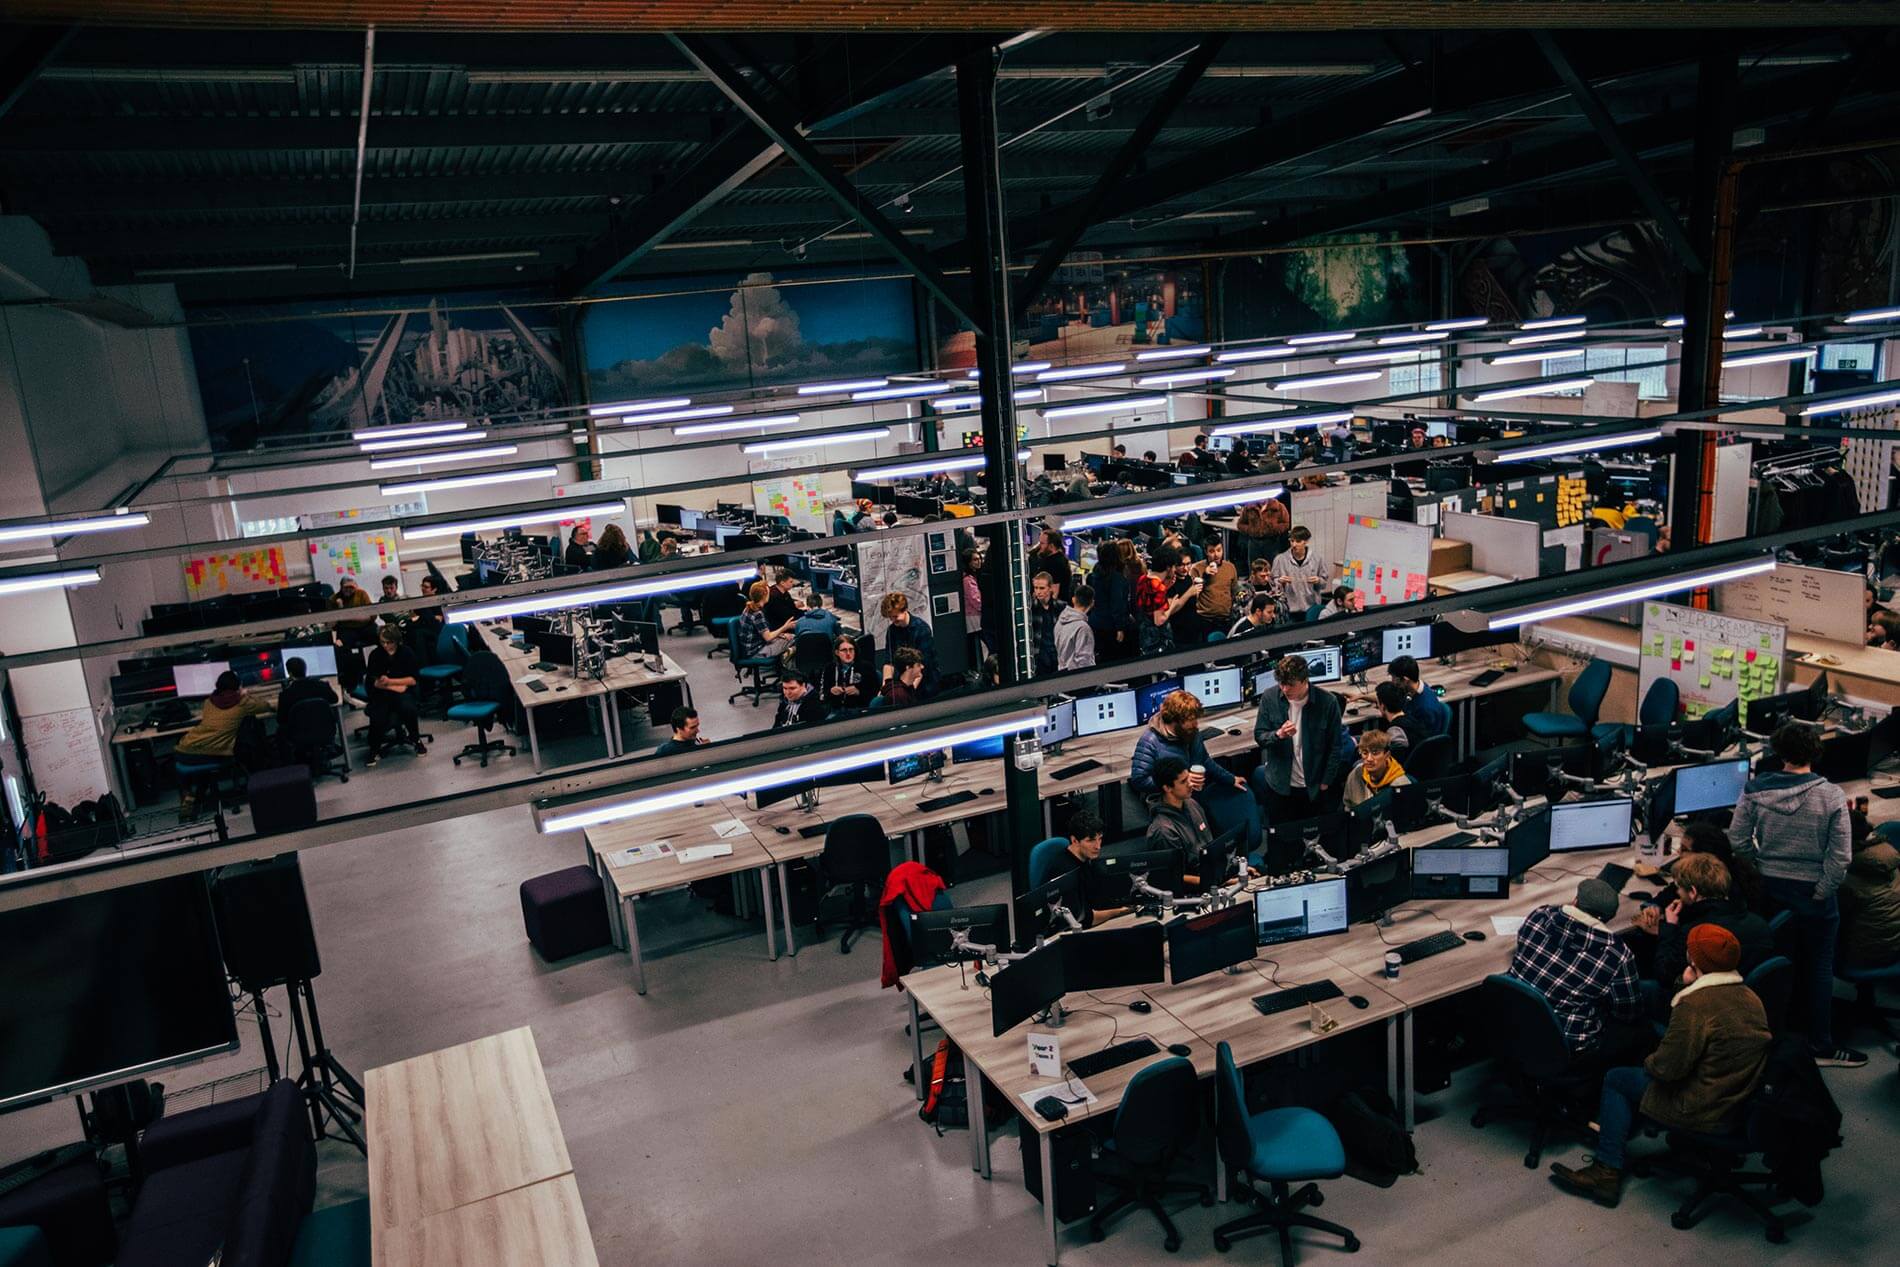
{"x": 1377, "y": 770}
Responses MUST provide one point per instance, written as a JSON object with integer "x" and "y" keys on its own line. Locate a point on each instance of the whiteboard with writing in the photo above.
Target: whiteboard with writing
{"x": 62, "y": 750}
{"x": 1712, "y": 658}
{"x": 1817, "y": 601}
{"x": 1323, "y": 512}
{"x": 1387, "y": 560}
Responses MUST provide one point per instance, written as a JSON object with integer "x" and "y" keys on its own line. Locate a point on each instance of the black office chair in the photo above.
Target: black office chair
{"x": 1773, "y": 983}
{"x": 311, "y": 735}
{"x": 1430, "y": 758}
{"x": 811, "y": 654}
{"x": 718, "y": 609}
{"x": 1159, "y": 1119}
{"x": 1550, "y": 1088}
{"x": 856, "y": 858}
{"x": 1718, "y": 1163}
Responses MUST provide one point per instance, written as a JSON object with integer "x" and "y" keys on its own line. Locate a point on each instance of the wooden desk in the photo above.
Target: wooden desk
{"x": 135, "y": 730}
{"x": 624, "y": 673}
{"x": 780, "y": 828}
{"x": 541, "y": 1224}
{"x": 455, "y": 1127}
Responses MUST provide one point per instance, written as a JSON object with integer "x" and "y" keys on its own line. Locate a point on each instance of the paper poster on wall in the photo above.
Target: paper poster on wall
{"x": 1387, "y": 560}
{"x": 333, "y": 518}
{"x": 892, "y": 566}
{"x": 235, "y": 572}
{"x": 600, "y": 493}
{"x": 62, "y": 750}
{"x": 366, "y": 556}
{"x": 797, "y": 497}
{"x": 1713, "y": 659}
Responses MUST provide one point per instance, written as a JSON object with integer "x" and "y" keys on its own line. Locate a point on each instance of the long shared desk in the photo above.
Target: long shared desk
{"x": 141, "y": 726}
{"x": 536, "y": 688}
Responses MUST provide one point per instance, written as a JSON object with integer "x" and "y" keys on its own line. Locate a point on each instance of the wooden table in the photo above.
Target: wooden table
{"x": 129, "y": 732}
{"x": 623, "y": 673}
{"x": 465, "y": 1150}
{"x": 782, "y": 826}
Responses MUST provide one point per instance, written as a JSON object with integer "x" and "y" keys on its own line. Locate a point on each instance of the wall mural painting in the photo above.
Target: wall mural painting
{"x": 1092, "y": 309}
{"x": 1337, "y": 286}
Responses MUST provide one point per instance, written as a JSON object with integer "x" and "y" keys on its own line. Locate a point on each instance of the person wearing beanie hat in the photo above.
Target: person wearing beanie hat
{"x": 1585, "y": 972}
{"x": 1707, "y": 1065}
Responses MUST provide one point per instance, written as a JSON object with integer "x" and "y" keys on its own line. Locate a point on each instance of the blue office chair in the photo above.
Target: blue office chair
{"x": 451, "y": 654}
{"x": 1277, "y": 1147}
{"x": 1533, "y": 1056}
{"x": 1044, "y": 858}
{"x": 1159, "y": 1119}
{"x": 719, "y": 609}
{"x": 1866, "y": 981}
{"x": 1586, "y": 698}
{"x": 1218, "y": 635}
{"x": 1643, "y": 526}
{"x": 1658, "y": 709}
{"x": 488, "y": 690}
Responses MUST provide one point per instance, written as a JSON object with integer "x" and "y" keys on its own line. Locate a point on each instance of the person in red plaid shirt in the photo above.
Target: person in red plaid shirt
{"x": 1585, "y": 971}
{"x": 1156, "y": 602}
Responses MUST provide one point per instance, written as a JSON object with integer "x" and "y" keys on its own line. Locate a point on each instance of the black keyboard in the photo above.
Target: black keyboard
{"x": 815, "y": 829}
{"x": 1277, "y": 1001}
{"x": 1454, "y": 840}
{"x": 1426, "y": 947}
{"x": 945, "y": 802}
{"x": 1615, "y": 876}
{"x": 1112, "y": 1057}
{"x": 1080, "y": 767}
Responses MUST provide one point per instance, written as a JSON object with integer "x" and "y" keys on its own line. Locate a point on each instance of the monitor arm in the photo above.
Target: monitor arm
{"x": 1057, "y": 911}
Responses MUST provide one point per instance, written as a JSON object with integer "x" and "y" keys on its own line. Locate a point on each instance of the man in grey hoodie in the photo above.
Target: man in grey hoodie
{"x": 1795, "y": 824}
{"x": 1178, "y": 822}
{"x": 1075, "y": 641}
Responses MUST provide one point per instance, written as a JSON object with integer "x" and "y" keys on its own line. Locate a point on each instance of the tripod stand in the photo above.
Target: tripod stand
{"x": 331, "y": 1092}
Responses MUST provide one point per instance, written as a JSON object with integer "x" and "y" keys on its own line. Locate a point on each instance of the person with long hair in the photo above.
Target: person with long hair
{"x": 755, "y": 638}
{"x": 612, "y": 550}
{"x": 1112, "y": 618}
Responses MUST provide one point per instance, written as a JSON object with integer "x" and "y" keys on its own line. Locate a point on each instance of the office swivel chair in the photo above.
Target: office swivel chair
{"x": 1159, "y": 1119}
{"x": 1657, "y": 712}
{"x": 1866, "y": 981}
{"x": 720, "y": 609}
{"x": 1773, "y": 983}
{"x": 1044, "y": 857}
{"x": 760, "y": 667}
{"x": 1586, "y": 698}
{"x": 811, "y": 654}
{"x": 1549, "y": 1086}
{"x": 450, "y": 655}
{"x": 1718, "y": 1162}
{"x": 854, "y": 863}
{"x": 1430, "y": 758}
{"x": 488, "y": 691}
{"x": 312, "y": 737}
{"x": 1277, "y": 1147}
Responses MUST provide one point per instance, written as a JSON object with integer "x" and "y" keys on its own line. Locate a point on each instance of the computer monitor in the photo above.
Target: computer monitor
{"x": 1200, "y": 944}
{"x": 1054, "y": 462}
{"x": 648, "y": 635}
{"x": 195, "y": 681}
{"x": 845, "y": 596}
{"x": 1412, "y": 640}
{"x": 1712, "y": 785}
{"x": 1263, "y": 680}
{"x": 1294, "y": 912}
{"x": 1322, "y": 663}
{"x": 1058, "y": 725}
{"x": 1290, "y": 844}
{"x": 1113, "y": 958}
{"x": 1528, "y": 841}
{"x": 979, "y": 749}
{"x": 318, "y": 660}
{"x": 1532, "y": 772}
{"x": 1148, "y": 698}
{"x": 532, "y": 625}
{"x": 1161, "y": 868}
{"x": 932, "y": 932}
{"x": 1373, "y": 888}
{"x": 1215, "y": 861}
{"x": 1365, "y": 823}
{"x": 553, "y": 648}
{"x": 1360, "y": 652}
{"x": 1026, "y": 987}
{"x": 1099, "y": 714}
{"x": 668, "y": 514}
{"x": 904, "y": 769}
{"x": 487, "y": 572}
{"x": 1459, "y": 871}
{"x": 1596, "y": 824}
{"x": 1220, "y": 444}
{"x": 1035, "y": 910}
{"x": 1770, "y": 711}
{"x": 1216, "y": 688}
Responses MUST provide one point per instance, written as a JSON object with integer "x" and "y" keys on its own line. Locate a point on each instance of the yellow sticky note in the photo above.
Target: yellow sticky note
{"x": 1705, "y": 681}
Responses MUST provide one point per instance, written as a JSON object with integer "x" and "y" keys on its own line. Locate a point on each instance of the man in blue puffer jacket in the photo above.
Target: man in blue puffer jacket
{"x": 1175, "y": 731}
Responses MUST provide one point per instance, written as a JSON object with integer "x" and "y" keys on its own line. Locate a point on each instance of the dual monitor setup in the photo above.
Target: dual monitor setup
{"x": 258, "y": 668}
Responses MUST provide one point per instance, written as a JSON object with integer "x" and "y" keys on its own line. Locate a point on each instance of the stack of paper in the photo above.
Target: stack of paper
{"x": 698, "y": 853}
{"x": 641, "y": 853}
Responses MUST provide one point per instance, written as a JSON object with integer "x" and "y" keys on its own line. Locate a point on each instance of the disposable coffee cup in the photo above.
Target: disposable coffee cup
{"x": 1198, "y": 771}
{"x": 1392, "y": 962}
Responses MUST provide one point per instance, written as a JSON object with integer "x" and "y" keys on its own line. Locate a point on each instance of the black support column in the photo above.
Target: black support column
{"x": 1002, "y": 477}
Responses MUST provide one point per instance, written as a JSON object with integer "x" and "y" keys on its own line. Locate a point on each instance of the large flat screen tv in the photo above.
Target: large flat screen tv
{"x": 107, "y": 987}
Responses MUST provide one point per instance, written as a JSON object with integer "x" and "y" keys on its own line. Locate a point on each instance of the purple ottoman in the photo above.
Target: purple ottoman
{"x": 565, "y": 912}
{"x": 69, "y": 1207}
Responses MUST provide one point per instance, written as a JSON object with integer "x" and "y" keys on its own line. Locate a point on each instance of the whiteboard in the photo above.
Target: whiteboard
{"x": 1323, "y": 512}
{"x": 893, "y": 565}
{"x": 797, "y": 497}
{"x": 1387, "y": 560}
{"x": 62, "y": 751}
{"x": 1817, "y": 601}
{"x": 1712, "y": 658}
{"x": 1509, "y": 548}
{"x": 366, "y": 556}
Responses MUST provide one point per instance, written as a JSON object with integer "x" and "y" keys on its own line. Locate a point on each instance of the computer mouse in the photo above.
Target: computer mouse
{"x": 1474, "y": 935}
{"x": 1359, "y": 1001}
{"x": 1179, "y": 1049}
{"x": 1142, "y": 1006}
{"x": 1638, "y": 895}
{"x": 1051, "y": 1109}
{"x": 989, "y": 791}
{"x": 783, "y": 831}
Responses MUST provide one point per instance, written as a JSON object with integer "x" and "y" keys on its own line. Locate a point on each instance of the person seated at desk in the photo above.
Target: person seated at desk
{"x": 1075, "y": 640}
{"x": 1376, "y": 771}
{"x": 1343, "y": 600}
{"x": 1078, "y": 489}
{"x": 1705, "y": 1069}
{"x": 907, "y": 630}
{"x": 223, "y": 712}
{"x": 864, "y": 519}
{"x": 815, "y": 619}
{"x": 1198, "y": 458}
{"x": 612, "y": 550}
{"x": 904, "y": 679}
{"x": 1260, "y": 616}
{"x": 1870, "y": 906}
{"x": 888, "y": 519}
{"x": 1298, "y": 728}
{"x": 799, "y": 702}
{"x": 1148, "y": 456}
{"x": 685, "y": 737}
{"x": 781, "y": 609}
{"x": 844, "y": 685}
{"x": 1083, "y": 855}
{"x": 1586, "y": 973}
{"x": 1427, "y": 714}
{"x": 300, "y": 687}
{"x": 1238, "y": 463}
{"x": 759, "y": 639}
{"x": 353, "y": 633}
{"x": 1179, "y": 823}
{"x": 1702, "y": 897}
{"x": 392, "y": 674}
{"x": 577, "y": 553}
{"x": 1393, "y": 703}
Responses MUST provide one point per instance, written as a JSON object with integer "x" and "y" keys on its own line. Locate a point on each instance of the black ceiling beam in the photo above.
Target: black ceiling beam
{"x": 221, "y": 240}
{"x": 775, "y": 121}
{"x": 29, "y": 52}
{"x": 1660, "y": 212}
{"x": 1084, "y": 210}
{"x": 148, "y": 134}
{"x": 132, "y": 196}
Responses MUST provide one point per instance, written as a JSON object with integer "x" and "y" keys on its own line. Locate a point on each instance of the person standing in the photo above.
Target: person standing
{"x": 1112, "y": 619}
{"x": 1298, "y": 727}
{"x": 1075, "y": 640}
{"x": 1157, "y": 603}
{"x": 1220, "y": 582}
{"x": 1302, "y": 575}
{"x": 973, "y": 631}
{"x": 1796, "y": 823}
{"x": 907, "y": 630}
{"x": 576, "y": 553}
{"x": 1043, "y": 610}
{"x": 1049, "y": 556}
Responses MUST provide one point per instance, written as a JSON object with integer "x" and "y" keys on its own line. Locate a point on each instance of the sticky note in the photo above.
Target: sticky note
{"x": 1705, "y": 681}
{"x": 1689, "y": 655}
{"x": 1688, "y": 644}
{"x": 1751, "y": 655}
{"x": 1675, "y": 666}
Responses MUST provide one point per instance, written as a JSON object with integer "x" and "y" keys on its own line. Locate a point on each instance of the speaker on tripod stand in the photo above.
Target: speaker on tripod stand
{"x": 267, "y": 939}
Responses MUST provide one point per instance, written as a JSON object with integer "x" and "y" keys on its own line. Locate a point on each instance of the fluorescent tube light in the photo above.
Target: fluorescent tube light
{"x": 849, "y": 385}
{"x": 759, "y": 777}
{"x": 1586, "y": 445}
{"x": 1610, "y": 598}
{"x": 1170, "y": 354}
{"x": 420, "y": 442}
{"x": 1325, "y": 380}
{"x": 1124, "y": 404}
{"x": 904, "y": 470}
{"x": 637, "y": 407}
{"x": 1770, "y": 357}
{"x": 467, "y": 481}
{"x": 806, "y": 442}
{"x": 601, "y": 594}
{"x": 768, "y": 422}
{"x": 413, "y": 429}
{"x": 1184, "y": 376}
{"x": 75, "y": 527}
{"x": 556, "y": 515}
{"x": 1525, "y": 339}
{"x": 1377, "y": 358}
{"x": 1459, "y": 323}
{"x": 435, "y": 459}
{"x": 1541, "y": 354}
{"x": 1029, "y": 367}
{"x": 677, "y": 415}
{"x": 49, "y": 581}
{"x": 1427, "y": 335}
{"x": 1551, "y": 323}
{"x": 1331, "y": 336}
{"x": 1542, "y": 388}
{"x": 958, "y": 402}
{"x": 1871, "y": 314}
{"x": 1676, "y": 322}
{"x": 1168, "y": 509}
{"x": 1280, "y": 422}
{"x": 1080, "y": 371}
{"x": 1274, "y": 353}
{"x": 1740, "y": 332}
{"x": 1852, "y": 402}
{"x": 905, "y": 391}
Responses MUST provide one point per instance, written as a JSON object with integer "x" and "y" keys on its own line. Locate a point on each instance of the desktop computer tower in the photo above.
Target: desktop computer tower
{"x": 1074, "y": 1166}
